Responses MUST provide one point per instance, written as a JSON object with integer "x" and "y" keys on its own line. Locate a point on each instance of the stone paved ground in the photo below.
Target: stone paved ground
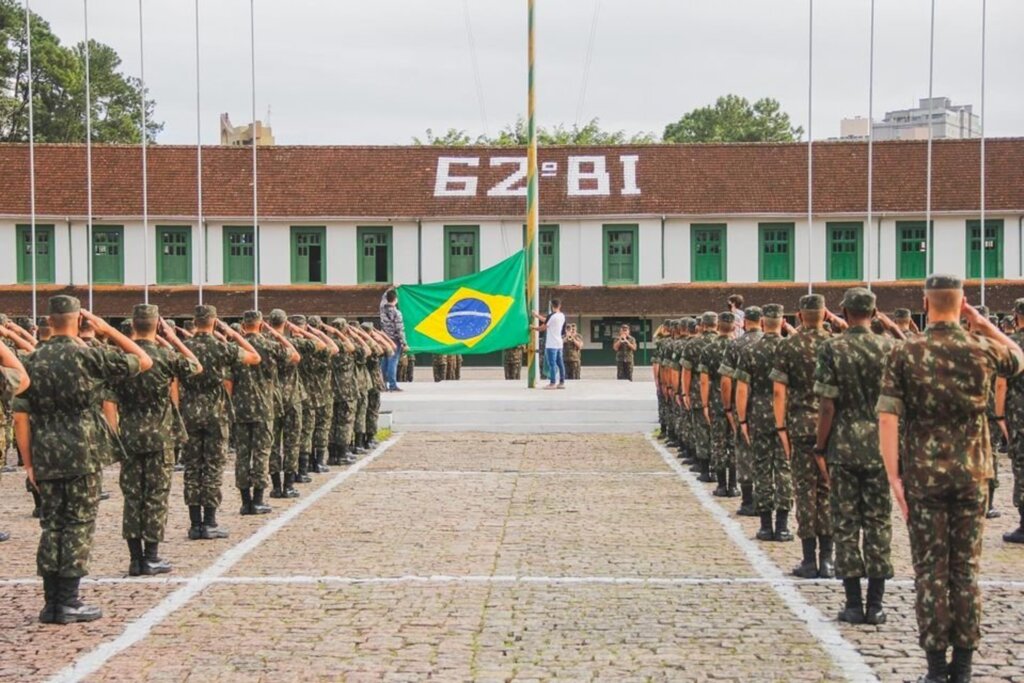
{"x": 483, "y": 557}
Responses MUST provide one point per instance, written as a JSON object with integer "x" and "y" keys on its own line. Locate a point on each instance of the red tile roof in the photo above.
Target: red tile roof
{"x": 391, "y": 182}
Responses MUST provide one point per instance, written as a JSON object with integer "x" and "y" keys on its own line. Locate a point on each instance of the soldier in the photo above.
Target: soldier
{"x": 625, "y": 347}
{"x": 572, "y": 350}
{"x": 905, "y": 322}
{"x": 343, "y": 391}
{"x": 14, "y": 380}
{"x": 743, "y": 455}
{"x": 512, "y": 359}
{"x": 796, "y": 413}
{"x": 1015, "y": 424}
{"x": 773, "y": 483}
{"x": 440, "y": 363}
{"x": 364, "y": 383}
{"x": 847, "y": 380}
{"x": 684, "y": 419}
{"x": 62, "y": 436}
{"x": 660, "y": 337}
{"x": 148, "y": 427}
{"x": 691, "y": 394}
{"x": 406, "y": 366}
{"x": 315, "y": 370}
{"x": 722, "y": 455}
{"x": 373, "y": 365}
{"x": 287, "y": 426}
{"x": 666, "y": 373}
{"x": 940, "y": 383}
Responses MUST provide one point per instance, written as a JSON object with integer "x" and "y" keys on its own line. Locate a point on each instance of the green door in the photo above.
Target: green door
{"x": 174, "y": 255}
{"x": 844, "y": 251}
{"x": 462, "y": 256}
{"x": 43, "y": 250}
{"x": 993, "y": 249}
{"x": 108, "y": 254}
{"x": 776, "y": 251}
{"x": 707, "y": 247}
{"x": 308, "y": 264}
{"x": 239, "y": 259}
{"x": 374, "y": 255}
{"x": 911, "y": 250}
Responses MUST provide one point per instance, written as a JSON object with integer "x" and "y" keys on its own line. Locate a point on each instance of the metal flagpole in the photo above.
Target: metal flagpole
{"x": 871, "y": 139}
{"x": 810, "y": 145}
{"x": 88, "y": 160}
{"x": 983, "y": 232}
{"x": 145, "y": 174}
{"x": 31, "y": 163}
{"x": 532, "y": 203}
{"x": 928, "y": 191}
{"x": 255, "y": 144}
{"x": 199, "y": 172}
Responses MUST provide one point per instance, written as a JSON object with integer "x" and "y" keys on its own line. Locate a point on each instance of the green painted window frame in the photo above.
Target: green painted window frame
{"x": 975, "y": 273}
{"x": 606, "y": 231}
{"x": 929, "y": 255}
{"x": 293, "y": 251}
{"x": 448, "y": 230}
{"x": 388, "y": 230}
{"x": 23, "y": 267}
{"x": 722, "y": 228}
{"x": 790, "y": 228}
{"x": 845, "y": 225}
{"x": 160, "y": 276}
{"x": 119, "y": 229}
{"x": 551, "y": 228}
{"x": 226, "y": 255}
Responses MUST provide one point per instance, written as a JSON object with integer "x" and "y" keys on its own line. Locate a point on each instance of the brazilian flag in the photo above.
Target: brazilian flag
{"x": 478, "y": 313}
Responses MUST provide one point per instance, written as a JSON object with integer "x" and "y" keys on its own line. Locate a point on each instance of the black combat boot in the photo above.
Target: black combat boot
{"x": 808, "y": 567}
{"x": 332, "y": 455}
{"x": 195, "y": 518}
{"x": 371, "y": 440}
{"x": 992, "y": 513}
{"x": 289, "y": 486}
{"x": 210, "y": 529}
{"x": 276, "y": 491}
{"x": 722, "y": 490}
{"x": 765, "y": 533}
{"x": 48, "y": 615}
{"x": 246, "y": 502}
{"x": 319, "y": 459}
{"x": 303, "y": 475}
{"x": 960, "y": 667}
{"x": 153, "y": 564}
{"x": 70, "y": 609}
{"x": 346, "y": 457}
{"x": 258, "y": 506}
{"x": 705, "y": 472}
{"x": 695, "y": 466}
{"x": 134, "y": 556}
{"x": 853, "y": 611}
{"x": 731, "y": 491}
{"x": 4, "y": 536}
{"x": 747, "y": 501}
{"x": 826, "y": 567}
{"x": 357, "y": 444}
{"x": 876, "y": 592}
{"x": 1017, "y": 535}
{"x": 938, "y": 670}
{"x": 782, "y": 532}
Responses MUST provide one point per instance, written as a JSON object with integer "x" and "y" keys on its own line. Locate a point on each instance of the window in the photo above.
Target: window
{"x": 173, "y": 255}
{"x": 547, "y": 247}
{"x": 911, "y": 250}
{"x": 108, "y": 254}
{"x": 993, "y": 249}
{"x": 707, "y": 253}
{"x": 621, "y": 252}
{"x": 776, "y": 252}
{"x": 43, "y": 251}
{"x": 845, "y": 258}
{"x": 462, "y": 252}
{"x": 239, "y": 255}
{"x": 374, "y": 264}
{"x": 308, "y": 255}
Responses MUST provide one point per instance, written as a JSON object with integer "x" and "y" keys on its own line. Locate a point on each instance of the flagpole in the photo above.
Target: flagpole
{"x": 532, "y": 204}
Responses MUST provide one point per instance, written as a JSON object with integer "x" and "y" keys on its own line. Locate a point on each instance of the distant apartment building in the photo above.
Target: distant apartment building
{"x": 948, "y": 121}
{"x": 242, "y": 136}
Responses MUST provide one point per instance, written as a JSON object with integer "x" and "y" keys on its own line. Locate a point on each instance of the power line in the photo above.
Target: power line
{"x": 586, "y": 62}
{"x": 476, "y": 66}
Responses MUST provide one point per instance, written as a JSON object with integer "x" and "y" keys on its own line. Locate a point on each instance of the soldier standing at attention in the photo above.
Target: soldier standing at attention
{"x": 625, "y": 347}
{"x": 773, "y": 484}
{"x": 904, "y": 321}
{"x": 743, "y": 456}
{"x": 147, "y": 425}
{"x": 58, "y": 424}
{"x": 796, "y": 414}
{"x": 512, "y": 359}
{"x": 1015, "y": 424}
{"x": 691, "y": 394}
{"x": 387, "y": 348}
{"x": 722, "y": 454}
{"x": 940, "y": 384}
{"x": 315, "y": 370}
{"x": 440, "y": 363}
{"x": 343, "y": 392}
{"x": 287, "y": 428}
{"x": 13, "y": 381}
{"x": 572, "y": 352}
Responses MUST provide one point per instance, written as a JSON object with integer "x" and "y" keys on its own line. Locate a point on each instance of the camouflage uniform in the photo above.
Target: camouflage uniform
{"x": 453, "y": 367}
{"x": 1015, "y": 424}
{"x": 345, "y": 392}
{"x": 373, "y": 395}
{"x": 512, "y": 359}
{"x": 624, "y": 360}
{"x": 700, "y": 435}
{"x": 363, "y": 385}
{"x": 315, "y": 372}
{"x": 743, "y": 454}
{"x": 406, "y": 366}
{"x": 572, "y": 357}
{"x": 287, "y": 428}
{"x": 254, "y": 399}
{"x": 722, "y": 454}
{"x": 440, "y": 363}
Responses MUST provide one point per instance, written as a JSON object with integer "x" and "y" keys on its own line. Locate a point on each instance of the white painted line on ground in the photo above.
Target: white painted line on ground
{"x": 842, "y": 652}
{"x": 519, "y": 473}
{"x": 136, "y": 630}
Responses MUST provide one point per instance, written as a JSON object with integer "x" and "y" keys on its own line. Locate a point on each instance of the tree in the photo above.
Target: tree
{"x": 516, "y": 135}
{"x": 58, "y": 84}
{"x": 453, "y": 137}
{"x": 734, "y": 119}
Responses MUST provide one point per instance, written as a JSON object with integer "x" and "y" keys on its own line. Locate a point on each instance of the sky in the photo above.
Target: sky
{"x": 383, "y": 71}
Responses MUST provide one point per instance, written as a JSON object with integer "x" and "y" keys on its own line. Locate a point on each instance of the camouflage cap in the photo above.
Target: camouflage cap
{"x": 691, "y": 325}
{"x": 939, "y": 281}
{"x": 236, "y": 327}
{"x": 43, "y": 323}
{"x": 994, "y": 319}
{"x": 812, "y": 302}
{"x": 709, "y": 318}
{"x": 145, "y": 312}
{"x": 188, "y": 324}
{"x": 752, "y": 313}
{"x": 24, "y": 322}
{"x": 250, "y": 317}
{"x": 126, "y": 326}
{"x": 982, "y": 309}
{"x": 773, "y": 310}
{"x": 339, "y": 322}
{"x": 727, "y": 317}
{"x": 367, "y": 326}
{"x": 1018, "y": 306}
{"x": 277, "y": 317}
{"x": 859, "y": 300}
{"x": 62, "y": 303}
{"x": 315, "y": 320}
{"x": 4, "y": 319}
{"x": 204, "y": 313}
{"x": 901, "y": 314}
{"x": 297, "y": 319}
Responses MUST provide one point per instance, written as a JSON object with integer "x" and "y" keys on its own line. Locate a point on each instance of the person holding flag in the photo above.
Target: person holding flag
{"x": 552, "y": 326}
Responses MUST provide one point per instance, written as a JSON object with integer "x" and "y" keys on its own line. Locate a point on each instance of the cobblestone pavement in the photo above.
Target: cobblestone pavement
{"x": 481, "y": 557}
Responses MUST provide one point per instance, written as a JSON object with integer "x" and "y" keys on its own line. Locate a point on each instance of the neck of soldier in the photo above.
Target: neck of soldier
{"x": 750, "y": 326}
{"x": 144, "y": 336}
{"x": 859, "y": 321}
{"x": 943, "y": 317}
{"x": 725, "y": 330}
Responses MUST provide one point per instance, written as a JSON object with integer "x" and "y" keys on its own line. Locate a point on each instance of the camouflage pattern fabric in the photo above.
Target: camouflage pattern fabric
{"x": 624, "y": 361}
{"x": 722, "y": 451}
{"x": 572, "y": 358}
{"x": 730, "y": 359}
{"x": 146, "y": 484}
{"x": 406, "y": 367}
{"x": 512, "y": 359}
{"x": 287, "y": 428}
{"x": 1015, "y": 424}
{"x": 256, "y": 397}
{"x": 67, "y": 516}
{"x": 363, "y": 384}
{"x": 440, "y": 363}
{"x": 700, "y": 436}
{"x": 345, "y": 393}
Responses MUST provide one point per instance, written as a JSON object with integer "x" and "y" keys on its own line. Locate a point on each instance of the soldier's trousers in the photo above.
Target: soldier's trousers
{"x": 1016, "y": 453}
{"x": 203, "y": 456}
{"x": 813, "y": 507}
{"x": 68, "y": 520}
{"x": 572, "y": 369}
{"x": 440, "y": 368}
{"x": 773, "y": 482}
{"x": 284, "y": 456}
{"x": 451, "y": 371}
{"x": 361, "y": 404}
{"x": 343, "y": 424}
{"x": 722, "y": 454}
{"x": 701, "y": 433}
{"x": 513, "y": 370}
{"x": 146, "y": 486}
{"x": 945, "y": 529}
{"x": 372, "y": 412}
{"x": 252, "y": 462}
{"x": 861, "y": 504}
{"x": 624, "y": 370}
{"x": 321, "y": 425}
{"x": 744, "y": 460}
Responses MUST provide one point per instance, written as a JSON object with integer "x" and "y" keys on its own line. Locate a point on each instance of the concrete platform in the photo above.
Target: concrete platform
{"x": 587, "y": 406}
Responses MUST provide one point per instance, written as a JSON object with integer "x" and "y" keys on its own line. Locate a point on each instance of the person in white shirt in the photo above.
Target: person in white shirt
{"x": 552, "y": 327}
{"x": 736, "y": 306}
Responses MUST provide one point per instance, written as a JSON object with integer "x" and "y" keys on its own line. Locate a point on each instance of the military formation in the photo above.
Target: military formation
{"x": 290, "y": 395}
{"x": 841, "y": 416}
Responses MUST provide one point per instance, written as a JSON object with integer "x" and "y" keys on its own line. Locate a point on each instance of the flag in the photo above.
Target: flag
{"x": 477, "y": 313}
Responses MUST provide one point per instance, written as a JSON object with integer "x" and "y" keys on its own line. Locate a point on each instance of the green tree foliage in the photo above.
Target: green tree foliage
{"x": 734, "y": 119}
{"x": 58, "y": 84}
{"x": 516, "y": 135}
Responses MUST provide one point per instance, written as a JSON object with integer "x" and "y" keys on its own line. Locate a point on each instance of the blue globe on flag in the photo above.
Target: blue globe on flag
{"x": 468, "y": 318}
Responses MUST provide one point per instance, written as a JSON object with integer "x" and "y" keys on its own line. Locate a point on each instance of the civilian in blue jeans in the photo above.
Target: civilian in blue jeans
{"x": 394, "y": 327}
{"x": 552, "y": 327}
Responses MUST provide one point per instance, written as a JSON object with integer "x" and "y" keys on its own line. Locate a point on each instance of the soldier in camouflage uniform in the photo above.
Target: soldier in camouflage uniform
{"x": 343, "y": 391}
{"x": 847, "y": 379}
{"x": 625, "y": 348}
{"x": 940, "y": 384}
{"x": 1015, "y": 424}
{"x": 796, "y": 415}
{"x": 997, "y": 424}
{"x": 63, "y": 436}
{"x": 13, "y": 380}
{"x": 905, "y": 322}
{"x": 315, "y": 371}
{"x": 364, "y": 383}
{"x": 722, "y": 454}
{"x": 287, "y": 427}
{"x": 701, "y": 436}
{"x": 406, "y": 366}
{"x": 666, "y": 389}
{"x": 440, "y": 363}
{"x": 680, "y": 415}
{"x": 660, "y": 337}
{"x": 743, "y": 455}
{"x": 373, "y": 365}
{"x": 147, "y": 425}
{"x": 773, "y": 485}
{"x": 572, "y": 351}
{"x": 512, "y": 359}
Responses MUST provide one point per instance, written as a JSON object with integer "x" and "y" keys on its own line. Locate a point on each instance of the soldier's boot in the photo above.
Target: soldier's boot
{"x": 853, "y": 611}
{"x": 346, "y": 457}
{"x": 320, "y": 465}
{"x": 152, "y": 563}
{"x": 357, "y": 444}
{"x": 808, "y": 567}
{"x": 371, "y": 441}
{"x": 960, "y": 667}
{"x": 289, "y": 486}
{"x": 705, "y": 472}
{"x": 992, "y": 512}
{"x": 332, "y": 455}
{"x": 731, "y": 491}
{"x": 722, "y": 490}
{"x": 37, "y": 501}
{"x": 765, "y": 533}
{"x": 826, "y": 566}
{"x": 1017, "y": 535}
{"x": 4, "y": 536}
{"x": 938, "y": 669}
{"x": 747, "y": 501}
{"x": 135, "y": 556}
{"x": 276, "y": 491}
{"x": 48, "y": 615}
{"x": 782, "y": 532}
{"x": 70, "y": 609}
{"x": 258, "y": 506}
{"x": 246, "y": 508}
{"x": 195, "y": 522}
{"x": 875, "y": 614}
{"x": 211, "y": 531}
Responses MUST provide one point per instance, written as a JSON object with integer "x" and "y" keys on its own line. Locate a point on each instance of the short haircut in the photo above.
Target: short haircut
{"x": 736, "y": 300}
{"x": 812, "y": 317}
{"x": 556, "y": 303}
{"x": 62, "y": 321}
{"x": 945, "y": 300}
{"x": 143, "y": 325}
{"x": 772, "y": 323}
{"x": 391, "y": 296}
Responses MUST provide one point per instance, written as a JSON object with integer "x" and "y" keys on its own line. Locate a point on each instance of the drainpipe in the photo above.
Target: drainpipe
{"x": 663, "y": 248}
{"x": 71, "y": 258}
{"x": 419, "y": 251}
{"x": 878, "y": 249}
{"x": 1020, "y": 246}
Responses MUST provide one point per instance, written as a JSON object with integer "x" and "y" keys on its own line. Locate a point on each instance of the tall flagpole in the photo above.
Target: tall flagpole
{"x": 255, "y": 144}
{"x": 810, "y": 145}
{"x": 31, "y": 163}
{"x": 88, "y": 160}
{"x": 145, "y": 169}
{"x": 871, "y": 139}
{"x": 199, "y": 171}
{"x": 983, "y": 233}
{"x": 532, "y": 203}
{"x": 931, "y": 135}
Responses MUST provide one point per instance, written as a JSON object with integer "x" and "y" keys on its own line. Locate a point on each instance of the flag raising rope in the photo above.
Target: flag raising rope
{"x": 982, "y": 228}
{"x": 88, "y": 161}
{"x": 532, "y": 199}
{"x": 145, "y": 170}
{"x": 199, "y": 173}
{"x": 871, "y": 138}
{"x": 31, "y": 162}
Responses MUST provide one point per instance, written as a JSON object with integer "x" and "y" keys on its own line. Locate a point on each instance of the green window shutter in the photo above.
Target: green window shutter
{"x": 845, "y": 251}
{"x": 308, "y": 255}
{"x": 462, "y": 250}
{"x": 108, "y": 254}
{"x": 707, "y": 253}
{"x": 44, "y": 253}
{"x": 775, "y": 242}
{"x": 547, "y": 247}
{"x": 993, "y": 249}
{"x": 911, "y": 250}
{"x": 621, "y": 254}
{"x": 375, "y": 255}
{"x": 239, "y": 255}
{"x": 173, "y": 255}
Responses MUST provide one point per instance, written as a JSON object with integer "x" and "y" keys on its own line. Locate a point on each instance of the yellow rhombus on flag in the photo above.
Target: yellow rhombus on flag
{"x": 465, "y": 318}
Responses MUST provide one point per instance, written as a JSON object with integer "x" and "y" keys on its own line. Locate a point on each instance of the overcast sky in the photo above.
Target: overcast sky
{"x": 383, "y": 71}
